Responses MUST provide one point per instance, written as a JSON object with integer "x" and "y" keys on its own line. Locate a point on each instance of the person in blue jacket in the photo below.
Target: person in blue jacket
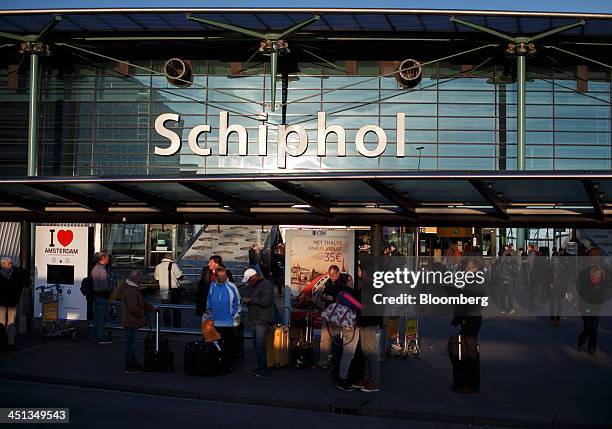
{"x": 223, "y": 307}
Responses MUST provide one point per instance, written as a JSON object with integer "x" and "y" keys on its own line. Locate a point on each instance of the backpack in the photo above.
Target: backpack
{"x": 87, "y": 287}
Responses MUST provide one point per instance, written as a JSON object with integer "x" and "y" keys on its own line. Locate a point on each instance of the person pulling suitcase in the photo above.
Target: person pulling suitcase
{"x": 223, "y": 307}
{"x": 463, "y": 349}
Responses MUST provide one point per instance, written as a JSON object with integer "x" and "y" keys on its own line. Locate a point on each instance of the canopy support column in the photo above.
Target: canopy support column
{"x": 33, "y": 117}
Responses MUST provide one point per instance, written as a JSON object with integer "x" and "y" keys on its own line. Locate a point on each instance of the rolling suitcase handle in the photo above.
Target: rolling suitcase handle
{"x": 157, "y": 332}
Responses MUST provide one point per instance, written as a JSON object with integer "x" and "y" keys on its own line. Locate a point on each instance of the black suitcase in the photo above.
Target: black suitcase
{"x": 356, "y": 369}
{"x": 3, "y": 338}
{"x": 212, "y": 359}
{"x": 192, "y": 356}
{"x": 158, "y": 357}
{"x": 464, "y": 353}
{"x": 302, "y": 353}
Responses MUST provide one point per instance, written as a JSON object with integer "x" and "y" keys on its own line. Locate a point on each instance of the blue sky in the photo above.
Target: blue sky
{"x": 594, "y": 6}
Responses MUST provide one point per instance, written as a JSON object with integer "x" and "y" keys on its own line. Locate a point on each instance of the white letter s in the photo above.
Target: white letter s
{"x": 175, "y": 140}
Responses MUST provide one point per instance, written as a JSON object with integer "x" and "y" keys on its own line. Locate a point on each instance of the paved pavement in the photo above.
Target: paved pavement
{"x": 532, "y": 376}
{"x": 95, "y": 408}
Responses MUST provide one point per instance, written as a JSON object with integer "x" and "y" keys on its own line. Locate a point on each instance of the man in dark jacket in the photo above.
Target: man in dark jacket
{"x": 103, "y": 285}
{"x": 133, "y": 318}
{"x": 206, "y": 279}
{"x": 11, "y": 285}
{"x": 259, "y": 296}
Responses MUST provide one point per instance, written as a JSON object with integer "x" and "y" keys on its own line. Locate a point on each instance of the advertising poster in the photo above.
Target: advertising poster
{"x": 61, "y": 259}
{"x": 309, "y": 253}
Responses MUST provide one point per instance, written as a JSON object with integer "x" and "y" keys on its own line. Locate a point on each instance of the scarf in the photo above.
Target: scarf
{"x": 7, "y": 274}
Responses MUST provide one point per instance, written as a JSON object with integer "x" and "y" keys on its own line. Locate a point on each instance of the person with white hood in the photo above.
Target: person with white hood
{"x": 169, "y": 276}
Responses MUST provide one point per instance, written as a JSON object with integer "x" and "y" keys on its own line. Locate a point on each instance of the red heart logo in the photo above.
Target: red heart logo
{"x": 65, "y": 236}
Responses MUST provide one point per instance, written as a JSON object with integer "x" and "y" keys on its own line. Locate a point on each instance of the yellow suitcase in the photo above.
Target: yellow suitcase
{"x": 277, "y": 347}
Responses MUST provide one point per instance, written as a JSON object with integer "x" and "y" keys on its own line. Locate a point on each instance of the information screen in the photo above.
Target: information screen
{"x": 60, "y": 274}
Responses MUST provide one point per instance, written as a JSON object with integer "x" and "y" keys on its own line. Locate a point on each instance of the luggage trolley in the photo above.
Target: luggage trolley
{"x": 51, "y": 325}
{"x": 409, "y": 324}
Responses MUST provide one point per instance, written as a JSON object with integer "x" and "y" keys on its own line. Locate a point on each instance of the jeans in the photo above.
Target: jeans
{"x": 257, "y": 268}
{"x": 260, "y": 331}
{"x": 7, "y": 318}
{"x": 367, "y": 335}
{"x": 507, "y": 296}
{"x": 589, "y": 331}
{"x": 325, "y": 343}
{"x": 101, "y": 305}
{"x": 556, "y": 303}
{"x": 172, "y": 316}
{"x": 130, "y": 347}
{"x": 350, "y": 338}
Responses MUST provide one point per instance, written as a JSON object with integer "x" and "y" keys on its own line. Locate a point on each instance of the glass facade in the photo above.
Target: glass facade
{"x": 95, "y": 120}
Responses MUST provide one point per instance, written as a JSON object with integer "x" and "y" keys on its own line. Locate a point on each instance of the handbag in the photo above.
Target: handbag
{"x": 340, "y": 312}
{"x": 175, "y": 294}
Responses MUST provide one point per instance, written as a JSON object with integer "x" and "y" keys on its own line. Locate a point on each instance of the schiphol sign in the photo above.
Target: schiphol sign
{"x": 284, "y": 148}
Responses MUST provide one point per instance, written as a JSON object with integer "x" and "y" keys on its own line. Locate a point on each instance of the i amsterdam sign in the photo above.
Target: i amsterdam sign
{"x": 294, "y": 149}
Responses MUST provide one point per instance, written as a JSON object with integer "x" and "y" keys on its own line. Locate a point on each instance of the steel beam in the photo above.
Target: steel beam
{"x": 237, "y": 204}
{"x": 591, "y": 190}
{"x": 24, "y": 202}
{"x": 299, "y": 26}
{"x": 88, "y": 202}
{"x": 499, "y": 205}
{"x": 406, "y": 203}
{"x": 226, "y": 26}
{"x": 157, "y": 202}
{"x": 481, "y": 28}
{"x": 317, "y": 203}
{"x": 49, "y": 27}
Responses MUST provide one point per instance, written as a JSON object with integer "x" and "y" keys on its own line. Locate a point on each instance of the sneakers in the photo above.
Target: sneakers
{"x": 344, "y": 385}
{"x": 370, "y": 387}
{"x": 258, "y": 373}
{"x": 512, "y": 311}
{"x": 134, "y": 369}
{"x": 104, "y": 342}
{"x": 361, "y": 384}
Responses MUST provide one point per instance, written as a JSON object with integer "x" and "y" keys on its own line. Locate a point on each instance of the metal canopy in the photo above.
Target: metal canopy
{"x": 566, "y": 199}
{"x": 148, "y": 22}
